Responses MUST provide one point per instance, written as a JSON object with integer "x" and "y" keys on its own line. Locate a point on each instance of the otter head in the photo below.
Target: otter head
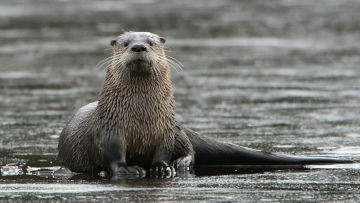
{"x": 141, "y": 53}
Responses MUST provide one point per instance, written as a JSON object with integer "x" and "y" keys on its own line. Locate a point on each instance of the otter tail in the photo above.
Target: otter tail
{"x": 209, "y": 152}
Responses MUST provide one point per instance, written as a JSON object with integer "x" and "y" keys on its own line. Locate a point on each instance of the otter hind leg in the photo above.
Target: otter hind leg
{"x": 183, "y": 151}
{"x": 77, "y": 151}
{"x": 183, "y": 163}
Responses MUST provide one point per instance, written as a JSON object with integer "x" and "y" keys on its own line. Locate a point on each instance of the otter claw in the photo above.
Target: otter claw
{"x": 168, "y": 170}
{"x": 162, "y": 170}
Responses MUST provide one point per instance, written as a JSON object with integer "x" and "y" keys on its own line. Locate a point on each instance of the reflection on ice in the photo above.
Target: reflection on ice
{"x": 351, "y": 151}
{"x": 354, "y": 166}
{"x": 55, "y": 188}
{"x": 10, "y": 170}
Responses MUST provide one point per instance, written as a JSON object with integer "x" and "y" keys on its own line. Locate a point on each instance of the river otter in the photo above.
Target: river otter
{"x": 132, "y": 127}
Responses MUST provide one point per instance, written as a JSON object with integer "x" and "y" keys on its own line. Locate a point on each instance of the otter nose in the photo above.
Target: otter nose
{"x": 138, "y": 48}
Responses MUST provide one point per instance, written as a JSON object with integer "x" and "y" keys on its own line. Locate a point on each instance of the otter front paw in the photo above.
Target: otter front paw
{"x": 162, "y": 169}
{"x": 122, "y": 171}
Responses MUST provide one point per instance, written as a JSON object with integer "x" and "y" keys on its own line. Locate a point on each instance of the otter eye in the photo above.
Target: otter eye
{"x": 126, "y": 44}
{"x": 150, "y": 43}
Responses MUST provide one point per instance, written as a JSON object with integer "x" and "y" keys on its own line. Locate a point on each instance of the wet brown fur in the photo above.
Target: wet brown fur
{"x": 140, "y": 106}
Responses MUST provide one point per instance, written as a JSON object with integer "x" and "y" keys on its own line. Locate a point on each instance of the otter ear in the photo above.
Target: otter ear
{"x": 113, "y": 42}
{"x": 162, "y": 40}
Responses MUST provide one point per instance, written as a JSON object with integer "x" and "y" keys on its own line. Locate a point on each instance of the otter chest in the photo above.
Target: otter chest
{"x": 145, "y": 122}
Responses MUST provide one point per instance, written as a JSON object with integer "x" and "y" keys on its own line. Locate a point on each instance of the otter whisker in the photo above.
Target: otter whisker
{"x": 167, "y": 59}
{"x": 172, "y": 63}
{"x": 160, "y": 59}
{"x": 178, "y": 66}
{"x": 116, "y": 62}
{"x": 109, "y": 61}
{"x": 175, "y": 62}
{"x": 106, "y": 60}
{"x": 173, "y": 58}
